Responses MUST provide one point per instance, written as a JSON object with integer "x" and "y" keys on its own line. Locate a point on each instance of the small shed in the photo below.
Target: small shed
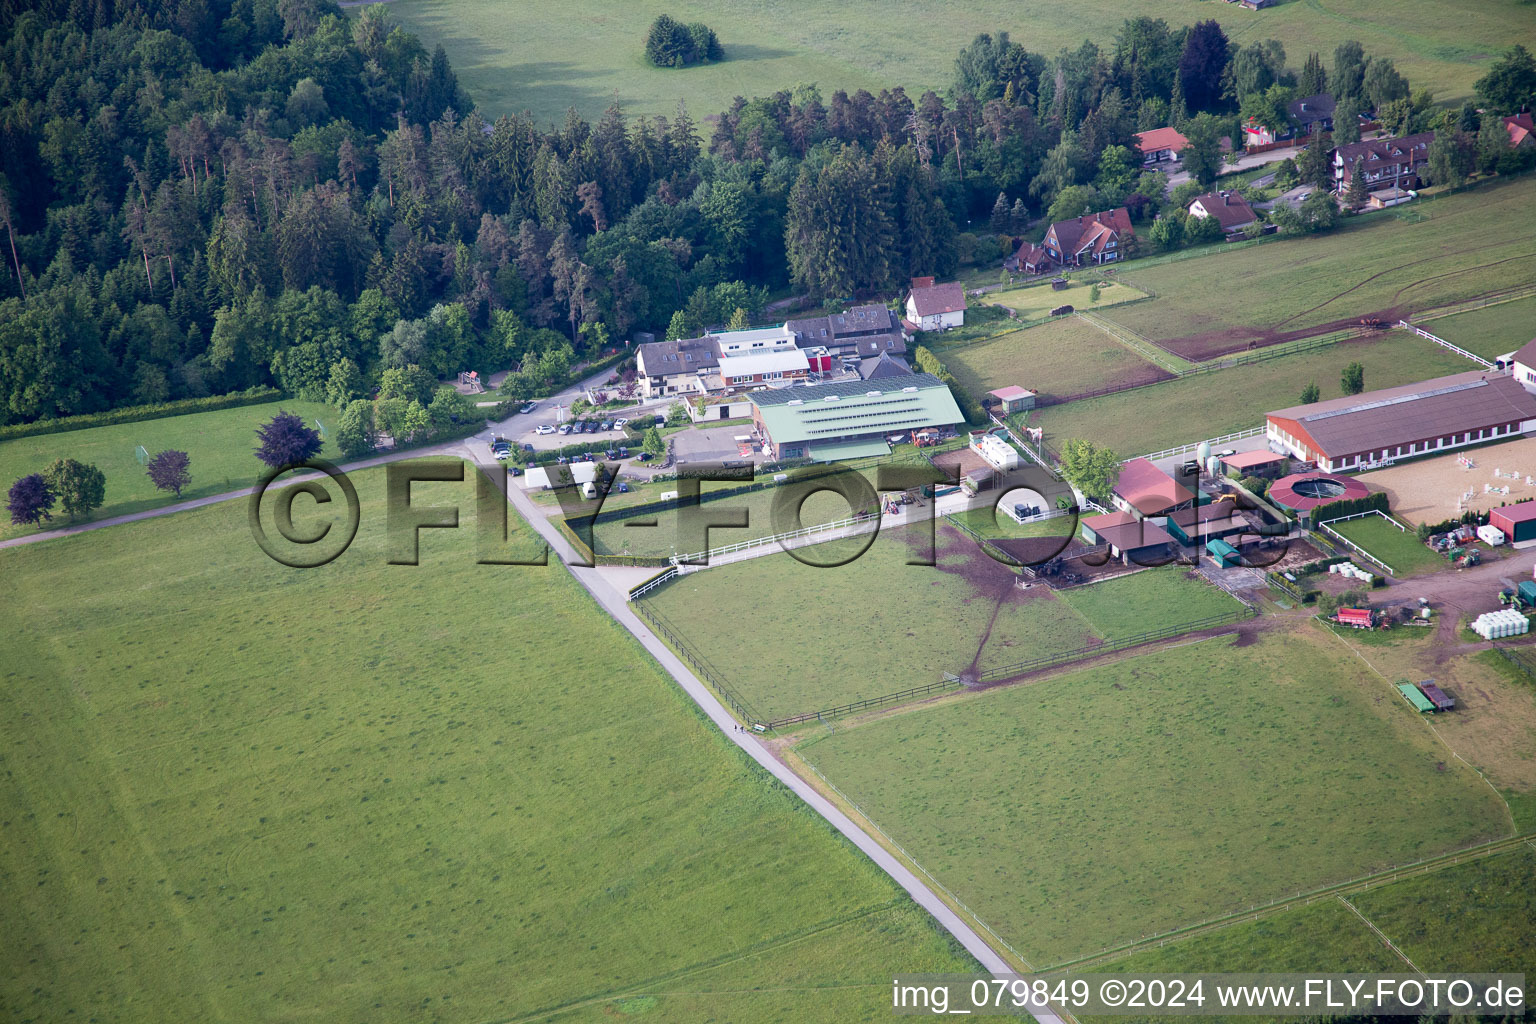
{"x": 1225, "y": 554}
{"x": 1412, "y": 695}
{"x": 1518, "y": 522}
{"x": 1013, "y": 399}
{"x": 1257, "y": 463}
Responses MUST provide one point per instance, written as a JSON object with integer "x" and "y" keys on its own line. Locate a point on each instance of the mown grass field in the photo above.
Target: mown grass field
{"x": 233, "y": 790}
{"x": 1471, "y": 917}
{"x": 1491, "y": 331}
{"x": 1038, "y": 300}
{"x": 1478, "y": 916}
{"x": 1058, "y": 359}
{"x": 1392, "y": 263}
{"x": 221, "y": 445}
{"x": 1400, "y": 549}
{"x": 1211, "y": 404}
{"x": 1110, "y": 803}
{"x": 783, "y": 633}
{"x": 543, "y": 56}
{"x": 673, "y": 532}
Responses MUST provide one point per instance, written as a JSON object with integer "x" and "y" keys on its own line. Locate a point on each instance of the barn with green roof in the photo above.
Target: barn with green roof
{"x": 851, "y": 419}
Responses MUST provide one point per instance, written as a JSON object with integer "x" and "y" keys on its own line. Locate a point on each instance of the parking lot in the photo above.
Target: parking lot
{"x": 713, "y": 444}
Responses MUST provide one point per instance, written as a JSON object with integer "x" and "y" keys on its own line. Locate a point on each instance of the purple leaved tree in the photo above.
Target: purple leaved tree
{"x": 287, "y": 442}
{"x": 170, "y": 470}
{"x": 31, "y": 500}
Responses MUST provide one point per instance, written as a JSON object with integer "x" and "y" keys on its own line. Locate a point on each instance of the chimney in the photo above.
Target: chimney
{"x": 1226, "y": 198}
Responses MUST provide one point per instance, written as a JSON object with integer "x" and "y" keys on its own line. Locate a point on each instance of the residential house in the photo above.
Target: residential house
{"x": 935, "y": 307}
{"x": 1028, "y": 259}
{"x": 1089, "y": 240}
{"x": 1229, "y": 209}
{"x": 1522, "y": 130}
{"x": 1160, "y": 144}
{"x": 1384, "y": 162}
{"x": 1307, "y": 116}
{"x": 676, "y": 367}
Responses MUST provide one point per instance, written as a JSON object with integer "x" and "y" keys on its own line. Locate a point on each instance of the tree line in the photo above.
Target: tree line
{"x": 213, "y": 195}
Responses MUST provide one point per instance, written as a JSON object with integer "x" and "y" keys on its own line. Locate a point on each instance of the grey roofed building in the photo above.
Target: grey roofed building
{"x": 882, "y": 366}
{"x": 851, "y": 419}
{"x": 1392, "y": 423}
{"x": 863, "y": 331}
{"x": 1313, "y": 110}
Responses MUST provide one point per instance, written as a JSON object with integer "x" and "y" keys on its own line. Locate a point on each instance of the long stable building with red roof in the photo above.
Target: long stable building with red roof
{"x": 1377, "y": 427}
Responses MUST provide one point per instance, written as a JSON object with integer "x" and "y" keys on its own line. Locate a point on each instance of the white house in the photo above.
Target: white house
{"x": 935, "y": 307}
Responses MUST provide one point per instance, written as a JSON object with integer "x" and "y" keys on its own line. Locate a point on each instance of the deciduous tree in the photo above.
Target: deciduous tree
{"x": 170, "y": 470}
{"x": 286, "y": 442}
{"x": 30, "y": 501}
{"x": 79, "y": 487}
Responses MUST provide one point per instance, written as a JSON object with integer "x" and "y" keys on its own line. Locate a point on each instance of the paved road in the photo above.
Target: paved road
{"x": 1244, "y": 162}
{"x": 615, "y": 604}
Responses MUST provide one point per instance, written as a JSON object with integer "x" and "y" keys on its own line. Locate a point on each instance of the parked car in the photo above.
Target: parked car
{"x": 565, "y": 428}
{"x": 543, "y": 428}
{"x": 527, "y": 447}
{"x": 527, "y": 408}
{"x": 607, "y": 425}
{"x": 643, "y": 457}
{"x": 590, "y": 426}
{"x": 661, "y": 420}
{"x": 618, "y": 424}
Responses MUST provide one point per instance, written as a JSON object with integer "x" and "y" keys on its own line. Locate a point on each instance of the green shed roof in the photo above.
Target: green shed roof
{"x": 829, "y": 412}
{"x": 1412, "y": 695}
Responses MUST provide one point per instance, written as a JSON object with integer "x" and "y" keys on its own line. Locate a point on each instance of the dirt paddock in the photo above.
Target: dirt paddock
{"x": 1426, "y": 490}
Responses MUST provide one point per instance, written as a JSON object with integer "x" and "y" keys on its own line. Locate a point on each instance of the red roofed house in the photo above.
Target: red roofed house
{"x": 1091, "y": 239}
{"x": 1029, "y": 259}
{"x": 1160, "y": 144}
{"x": 1229, "y": 209}
{"x": 1144, "y": 490}
{"x": 1522, "y": 130}
{"x": 935, "y": 307}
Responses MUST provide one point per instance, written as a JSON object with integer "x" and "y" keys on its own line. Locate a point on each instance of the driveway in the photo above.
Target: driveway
{"x": 1245, "y": 162}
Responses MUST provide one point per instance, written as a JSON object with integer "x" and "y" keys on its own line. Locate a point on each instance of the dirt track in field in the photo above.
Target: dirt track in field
{"x": 1227, "y": 341}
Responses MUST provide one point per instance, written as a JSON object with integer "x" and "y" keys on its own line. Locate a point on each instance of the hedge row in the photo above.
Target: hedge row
{"x": 929, "y": 363}
{"x": 139, "y": 413}
{"x": 1350, "y": 506}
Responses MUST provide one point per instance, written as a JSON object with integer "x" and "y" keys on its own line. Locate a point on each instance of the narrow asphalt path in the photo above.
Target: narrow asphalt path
{"x": 615, "y": 604}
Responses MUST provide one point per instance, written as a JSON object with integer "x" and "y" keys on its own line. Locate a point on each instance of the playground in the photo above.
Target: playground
{"x": 1434, "y": 490}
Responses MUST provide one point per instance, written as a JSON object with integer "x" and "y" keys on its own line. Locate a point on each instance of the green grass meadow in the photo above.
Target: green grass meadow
{"x": 452, "y": 792}
{"x": 221, "y": 445}
{"x": 1037, "y": 300}
{"x": 1402, "y": 550}
{"x": 1491, "y": 331}
{"x": 542, "y": 56}
{"x": 1059, "y": 359}
{"x": 1104, "y": 805}
{"x": 1420, "y": 257}
{"x": 781, "y": 630}
{"x": 1211, "y": 404}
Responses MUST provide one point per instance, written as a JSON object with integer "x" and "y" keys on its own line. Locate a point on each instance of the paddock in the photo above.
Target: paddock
{"x": 1426, "y": 490}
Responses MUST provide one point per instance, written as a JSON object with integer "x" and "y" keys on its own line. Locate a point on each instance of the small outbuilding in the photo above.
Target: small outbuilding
{"x": 1259, "y": 463}
{"x": 1516, "y": 522}
{"x": 1013, "y": 399}
{"x": 1129, "y": 538}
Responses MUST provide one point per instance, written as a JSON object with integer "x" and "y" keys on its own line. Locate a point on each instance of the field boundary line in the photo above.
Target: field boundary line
{"x": 1136, "y": 343}
{"x": 1379, "y": 933}
{"x": 1362, "y": 883}
{"x": 1471, "y": 305}
{"x": 1421, "y": 332}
